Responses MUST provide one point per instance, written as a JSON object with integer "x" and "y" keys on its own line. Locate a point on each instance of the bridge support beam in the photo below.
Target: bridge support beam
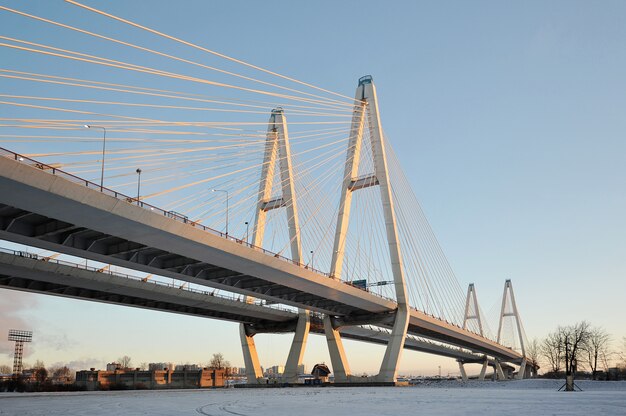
{"x": 462, "y": 370}
{"x": 499, "y": 373}
{"x": 250, "y": 356}
{"x": 393, "y": 352}
{"x": 521, "y": 374}
{"x": 338, "y": 359}
{"x": 298, "y": 345}
{"x": 483, "y": 370}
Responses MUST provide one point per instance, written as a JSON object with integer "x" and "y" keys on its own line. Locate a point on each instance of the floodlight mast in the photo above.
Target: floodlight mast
{"x": 20, "y": 337}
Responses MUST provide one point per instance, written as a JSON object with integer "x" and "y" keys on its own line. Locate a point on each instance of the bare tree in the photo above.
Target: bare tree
{"x": 551, "y": 349}
{"x": 63, "y": 374}
{"x": 5, "y": 369}
{"x": 143, "y": 366}
{"x": 574, "y": 338}
{"x": 41, "y": 374}
{"x": 597, "y": 348}
{"x": 125, "y": 361}
{"x": 218, "y": 361}
{"x": 533, "y": 351}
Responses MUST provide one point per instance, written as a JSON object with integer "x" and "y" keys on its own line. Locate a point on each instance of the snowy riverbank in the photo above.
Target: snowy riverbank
{"x": 448, "y": 397}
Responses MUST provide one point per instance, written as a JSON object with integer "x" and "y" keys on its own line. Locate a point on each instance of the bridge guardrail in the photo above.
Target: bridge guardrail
{"x": 170, "y": 214}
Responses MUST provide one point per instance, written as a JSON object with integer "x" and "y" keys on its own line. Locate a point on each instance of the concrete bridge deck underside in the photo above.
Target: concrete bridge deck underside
{"x": 25, "y": 272}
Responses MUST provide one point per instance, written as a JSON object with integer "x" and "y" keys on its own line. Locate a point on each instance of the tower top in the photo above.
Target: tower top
{"x": 367, "y": 79}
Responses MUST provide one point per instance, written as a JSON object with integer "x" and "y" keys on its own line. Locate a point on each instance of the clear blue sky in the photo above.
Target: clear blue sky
{"x": 509, "y": 119}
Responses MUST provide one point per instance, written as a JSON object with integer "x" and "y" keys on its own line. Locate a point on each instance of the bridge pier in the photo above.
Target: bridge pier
{"x": 521, "y": 374}
{"x": 483, "y": 370}
{"x": 498, "y": 372}
{"x": 250, "y": 356}
{"x": 298, "y": 345}
{"x": 338, "y": 359}
{"x": 393, "y": 353}
{"x": 462, "y": 370}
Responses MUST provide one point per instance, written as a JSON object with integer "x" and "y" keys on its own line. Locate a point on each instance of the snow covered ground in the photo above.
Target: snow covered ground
{"x": 528, "y": 397}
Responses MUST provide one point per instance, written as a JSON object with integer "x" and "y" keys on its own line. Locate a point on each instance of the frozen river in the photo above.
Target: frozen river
{"x": 528, "y": 397}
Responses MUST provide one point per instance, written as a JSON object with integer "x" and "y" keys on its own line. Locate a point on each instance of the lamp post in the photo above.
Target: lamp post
{"x": 104, "y": 142}
{"x": 247, "y": 228}
{"x": 223, "y": 190}
{"x": 138, "y": 183}
{"x": 312, "y": 259}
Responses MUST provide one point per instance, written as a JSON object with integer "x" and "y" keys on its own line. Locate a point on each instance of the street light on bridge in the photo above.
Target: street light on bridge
{"x": 104, "y": 142}
{"x": 227, "y": 196}
{"x": 138, "y": 183}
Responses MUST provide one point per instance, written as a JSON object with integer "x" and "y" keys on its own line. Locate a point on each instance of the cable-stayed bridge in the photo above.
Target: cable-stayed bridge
{"x": 322, "y": 221}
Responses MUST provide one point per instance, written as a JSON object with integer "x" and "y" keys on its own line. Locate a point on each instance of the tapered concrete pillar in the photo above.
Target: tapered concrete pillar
{"x": 393, "y": 353}
{"x": 250, "y": 356}
{"x": 483, "y": 370}
{"x": 296, "y": 352}
{"x": 499, "y": 373}
{"x": 341, "y": 368}
{"x": 521, "y": 374}
{"x": 462, "y": 370}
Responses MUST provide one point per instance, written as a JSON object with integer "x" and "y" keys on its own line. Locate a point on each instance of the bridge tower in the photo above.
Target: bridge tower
{"x": 509, "y": 308}
{"x": 277, "y": 152}
{"x": 366, "y": 107}
{"x": 472, "y": 313}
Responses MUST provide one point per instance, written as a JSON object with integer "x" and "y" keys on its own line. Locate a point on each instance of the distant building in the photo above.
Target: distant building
{"x": 160, "y": 366}
{"x": 187, "y": 367}
{"x": 276, "y": 370}
{"x": 156, "y": 379}
{"x": 114, "y": 366}
{"x": 302, "y": 369}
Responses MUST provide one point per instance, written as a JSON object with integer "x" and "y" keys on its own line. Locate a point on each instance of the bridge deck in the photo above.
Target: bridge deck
{"x": 40, "y": 208}
{"x": 31, "y": 273}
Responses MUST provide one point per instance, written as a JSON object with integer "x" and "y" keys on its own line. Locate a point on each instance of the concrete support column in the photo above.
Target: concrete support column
{"x": 521, "y": 374}
{"x": 250, "y": 356}
{"x": 341, "y": 368}
{"x": 462, "y": 370}
{"x": 499, "y": 373}
{"x": 298, "y": 345}
{"x": 393, "y": 353}
{"x": 483, "y": 370}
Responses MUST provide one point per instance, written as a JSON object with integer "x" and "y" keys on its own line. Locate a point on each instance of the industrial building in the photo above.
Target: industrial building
{"x": 156, "y": 379}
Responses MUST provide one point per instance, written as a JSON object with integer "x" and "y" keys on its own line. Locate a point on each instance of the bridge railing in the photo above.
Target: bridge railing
{"x": 232, "y": 297}
{"x": 137, "y": 201}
